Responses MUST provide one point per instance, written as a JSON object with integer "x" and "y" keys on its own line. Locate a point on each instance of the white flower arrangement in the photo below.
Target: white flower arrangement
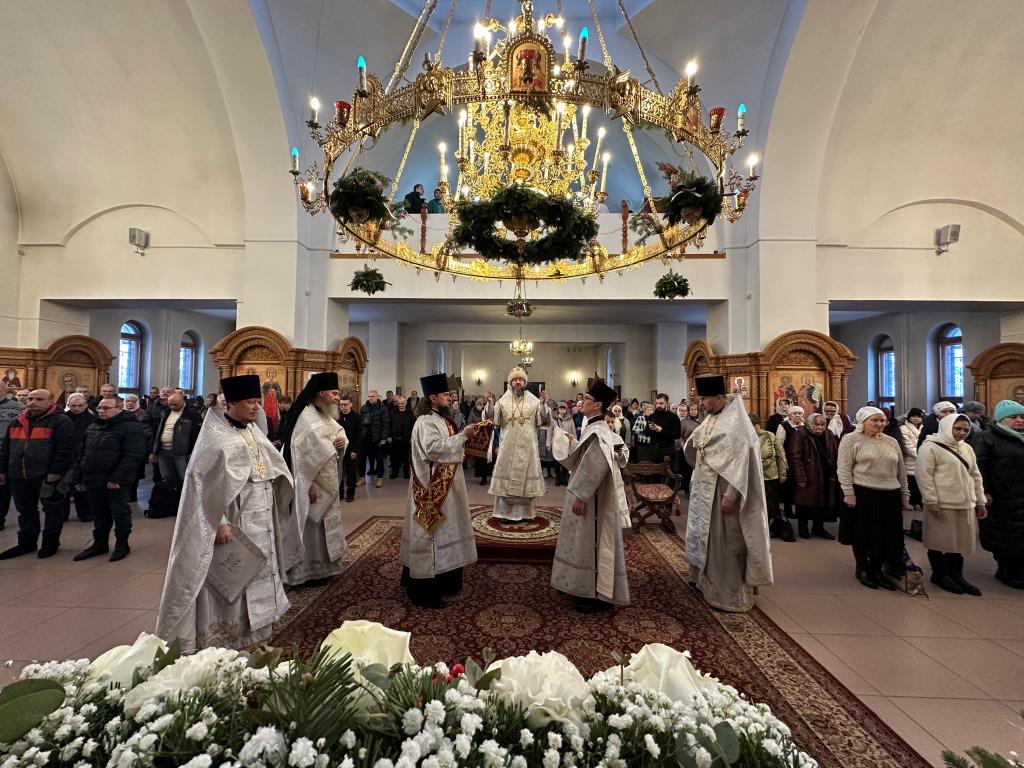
{"x": 143, "y": 707}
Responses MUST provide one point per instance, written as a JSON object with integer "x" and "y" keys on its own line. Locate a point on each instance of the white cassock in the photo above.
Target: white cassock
{"x": 438, "y": 533}
{"x": 315, "y": 467}
{"x": 517, "y": 480}
{"x": 235, "y": 476}
{"x": 590, "y": 560}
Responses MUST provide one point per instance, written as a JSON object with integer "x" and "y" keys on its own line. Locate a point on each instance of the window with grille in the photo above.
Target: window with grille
{"x": 885, "y": 367}
{"x": 188, "y": 363}
{"x": 951, "y": 364}
{"x": 129, "y": 362}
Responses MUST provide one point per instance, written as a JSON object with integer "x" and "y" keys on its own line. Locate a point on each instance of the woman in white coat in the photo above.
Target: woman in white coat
{"x": 954, "y": 500}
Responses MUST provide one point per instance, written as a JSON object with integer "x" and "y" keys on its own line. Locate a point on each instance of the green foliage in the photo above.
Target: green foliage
{"x": 24, "y": 704}
{"x": 368, "y": 280}
{"x": 981, "y": 758}
{"x": 693, "y": 191}
{"x": 566, "y": 230}
{"x": 362, "y": 190}
{"x": 645, "y": 225}
{"x": 672, "y": 285}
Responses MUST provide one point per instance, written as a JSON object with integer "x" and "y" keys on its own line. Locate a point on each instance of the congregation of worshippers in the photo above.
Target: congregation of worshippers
{"x": 259, "y": 486}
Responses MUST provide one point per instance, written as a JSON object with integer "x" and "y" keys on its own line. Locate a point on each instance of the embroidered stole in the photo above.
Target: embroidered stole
{"x": 429, "y": 500}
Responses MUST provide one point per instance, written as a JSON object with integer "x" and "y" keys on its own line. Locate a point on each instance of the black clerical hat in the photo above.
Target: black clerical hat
{"x": 323, "y": 382}
{"x": 238, "y": 388}
{"x": 601, "y": 392}
{"x": 710, "y": 384}
{"x": 434, "y": 384}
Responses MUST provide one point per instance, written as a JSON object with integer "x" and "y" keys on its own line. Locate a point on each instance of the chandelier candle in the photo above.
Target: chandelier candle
{"x": 604, "y": 169}
{"x": 741, "y": 118}
{"x": 691, "y": 70}
{"x": 361, "y": 66}
{"x": 581, "y": 55}
{"x": 597, "y": 149}
{"x": 566, "y": 42}
{"x": 314, "y": 110}
{"x": 295, "y": 161}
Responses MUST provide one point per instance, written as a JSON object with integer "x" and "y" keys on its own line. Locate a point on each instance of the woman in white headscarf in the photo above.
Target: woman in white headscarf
{"x": 954, "y": 500}
{"x": 874, "y": 482}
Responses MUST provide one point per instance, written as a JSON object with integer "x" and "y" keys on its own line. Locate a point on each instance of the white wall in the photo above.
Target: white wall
{"x": 554, "y": 364}
{"x": 10, "y": 258}
{"x": 163, "y": 330}
{"x": 913, "y": 336}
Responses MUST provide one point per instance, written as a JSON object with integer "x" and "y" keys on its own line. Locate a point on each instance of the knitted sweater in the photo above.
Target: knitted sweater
{"x": 871, "y": 462}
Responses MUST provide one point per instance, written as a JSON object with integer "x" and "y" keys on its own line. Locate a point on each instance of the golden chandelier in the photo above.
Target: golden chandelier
{"x": 526, "y": 115}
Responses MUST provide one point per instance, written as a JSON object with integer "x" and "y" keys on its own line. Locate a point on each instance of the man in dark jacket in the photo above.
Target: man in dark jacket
{"x": 81, "y": 418}
{"x": 353, "y": 426}
{"x": 174, "y": 438}
{"x": 399, "y": 435}
{"x": 663, "y": 428}
{"x": 36, "y": 452}
{"x": 375, "y": 424}
{"x": 10, "y": 409}
{"x": 114, "y": 444}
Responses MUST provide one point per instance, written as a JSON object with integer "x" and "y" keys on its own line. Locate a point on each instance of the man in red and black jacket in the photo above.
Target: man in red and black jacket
{"x": 36, "y": 451}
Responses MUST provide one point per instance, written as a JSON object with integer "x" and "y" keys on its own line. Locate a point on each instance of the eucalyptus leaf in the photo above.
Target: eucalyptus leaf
{"x": 728, "y": 741}
{"x": 24, "y": 704}
{"x": 485, "y": 681}
{"x": 376, "y": 674}
{"x": 265, "y": 657}
{"x": 473, "y": 671}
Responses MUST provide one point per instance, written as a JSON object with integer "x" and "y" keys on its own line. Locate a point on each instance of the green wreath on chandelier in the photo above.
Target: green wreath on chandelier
{"x": 566, "y": 229}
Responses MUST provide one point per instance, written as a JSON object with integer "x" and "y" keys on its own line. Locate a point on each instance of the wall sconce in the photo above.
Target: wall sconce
{"x": 478, "y": 377}
{"x": 572, "y": 383}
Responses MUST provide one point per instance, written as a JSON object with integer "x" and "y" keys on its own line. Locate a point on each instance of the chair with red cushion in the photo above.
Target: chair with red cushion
{"x": 654, "y": 491}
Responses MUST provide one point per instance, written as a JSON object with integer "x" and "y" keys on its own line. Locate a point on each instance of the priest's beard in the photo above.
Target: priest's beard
{"x": 444, "y": 411}
{"x": 517, "y": 391}
{"x": 331, "y": 409}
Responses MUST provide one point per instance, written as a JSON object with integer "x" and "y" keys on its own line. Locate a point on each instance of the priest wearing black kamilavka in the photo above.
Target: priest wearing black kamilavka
{"x": 237, "y": 486}
{"x": 313, "y": 444}
{"x": 437, "y": 537}
{"x": 590, "y": 562}
{"x": 727, "y": 526}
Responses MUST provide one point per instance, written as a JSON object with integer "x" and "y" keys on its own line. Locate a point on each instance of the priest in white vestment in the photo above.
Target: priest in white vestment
{"x": 590, "y": 562}
{"x": 727, "y": 526}
{"x": 517, "y": 482}
{"x": 313, "y": 441}
{"x": 236, "y": 495}
{"x": 437, "y": 537}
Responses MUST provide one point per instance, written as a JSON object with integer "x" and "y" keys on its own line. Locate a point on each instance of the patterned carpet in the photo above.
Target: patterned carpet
{"x": 499, "y": 541}
{"x": 511, "y": 608}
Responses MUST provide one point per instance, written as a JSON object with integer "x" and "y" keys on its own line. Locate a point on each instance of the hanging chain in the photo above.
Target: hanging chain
{"x": 405, "y": 156}
{"x": 444, "y": 32}
{"x": 628, "y": 130}
{"x": 402, "y": 65}
{"x": 600, "y": 36}
{"x": 643, "y": 54}
{"x": 487, "y": 10}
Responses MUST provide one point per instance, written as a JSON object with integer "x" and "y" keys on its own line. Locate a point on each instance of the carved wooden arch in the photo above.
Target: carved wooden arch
{"x": 786, "y": 349}
{"x": 253, "y": 342}
{"x": 352, "y": 359}
{"x": 997, "y": 372}
{"x": 79, "y": 350}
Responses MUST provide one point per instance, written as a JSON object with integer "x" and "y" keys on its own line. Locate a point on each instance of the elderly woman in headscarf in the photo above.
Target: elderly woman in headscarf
{"x": 786, "y": 433}
{"x": 838, "y": 423}
{"x": 911, "y": 431}
{"x": 954, "y": 499}
{"x": 874, "y": 482}
{"x": 1000, "y": 453}
{"x": 930, "y": 424}
{"x": 813, "y": 468}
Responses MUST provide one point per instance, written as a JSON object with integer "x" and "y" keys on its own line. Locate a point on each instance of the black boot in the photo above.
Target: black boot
{"x": 51, "y": 544}
{"x": 883, "y": 581}
{"x": 865, "y": 576}
{"x": 955, "y": 568}
{"x": 819, "y": 531}
{"x": 121, "y": 549}
{"x": 97, "y": 547}
{"x": 941, "y": 576}
{"x": 21, "y": 548}
{"x": 804, "y": 532}
{"x": 1002, "y": 574}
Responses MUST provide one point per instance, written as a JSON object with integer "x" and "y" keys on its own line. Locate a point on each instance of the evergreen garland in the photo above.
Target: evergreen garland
{"x": 566, "y": 229}
{"x": 672, "y": 285}
{"x": 368, "y": 280}
{"x": 360, "y": 190}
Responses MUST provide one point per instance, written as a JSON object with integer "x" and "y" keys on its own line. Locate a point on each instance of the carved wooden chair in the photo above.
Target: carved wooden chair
{"x": 654, "y": 491}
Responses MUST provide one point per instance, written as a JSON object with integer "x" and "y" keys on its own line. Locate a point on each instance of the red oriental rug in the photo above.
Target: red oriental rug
{"x": 530, "y": 541}
{"x": 511, "y": 608}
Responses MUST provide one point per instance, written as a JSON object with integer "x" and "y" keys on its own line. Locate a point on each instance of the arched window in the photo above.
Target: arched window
{"x": 885, "y": 372}
{"x": 129, "y": 361}
{"x": 951, "y": 364}
{"x": 188, "y": 363}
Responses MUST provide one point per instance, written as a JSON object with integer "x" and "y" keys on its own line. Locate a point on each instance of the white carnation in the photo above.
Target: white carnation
{"x": 303, "y": 753}
{"x": 412, "y": 721}
{"x": 197, "y": 732}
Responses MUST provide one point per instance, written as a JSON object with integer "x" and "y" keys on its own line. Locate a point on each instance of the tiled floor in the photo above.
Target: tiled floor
{"x": 944, "y": 672}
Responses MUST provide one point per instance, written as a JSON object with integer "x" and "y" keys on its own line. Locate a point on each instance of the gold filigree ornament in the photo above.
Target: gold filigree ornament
{"x": 526, "y": 115}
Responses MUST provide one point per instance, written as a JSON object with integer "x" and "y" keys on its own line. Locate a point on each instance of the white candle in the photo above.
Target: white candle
{"x": 597, "y": 149}
{"x": 559, "y": 111}
{"x": 566, "y": 42}
{"x": 361, "y": 64}
{"x": 462, "y": 133}
{"x": 604, "y": 169}
{"x": 691, "y": 70}
{"x": 487, "y": 160}
{"x": 314, "y": 109}
{"x": 752, "y": 165}
{"x": 442, "y": 148}
{"x": 295, "y": 159}
{"x": 583, "y": 128}
{"x": 741, "y": 118}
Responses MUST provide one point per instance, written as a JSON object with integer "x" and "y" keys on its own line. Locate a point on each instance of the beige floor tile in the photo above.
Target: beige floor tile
{"x": 964, "y": 723}
{"x": 906, "y": 616}
{"x": 908, "y": 729}
{"x": 126, "y": 634}
{"x": 76, "y": 591}
{"x": 996, "y": 670}
{"x": 989, "y": 618}
{"x": 776, "y": 614}
{"x": 825, "y": 615}
{"x": 141, "y": 590}
{"x": 14, "y": 583}
{"x": 18, "y": 618}
{"x": 62, "y": 635}
{"x": 1017, "y": 646}
{"x": 840, "y": 670}
{"x": 896, "y": 668}
{"x": 1013, "y": 603}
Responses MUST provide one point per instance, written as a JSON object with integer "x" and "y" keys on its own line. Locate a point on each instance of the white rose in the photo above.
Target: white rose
{"x": 120, "y": 662}
{"x": 547, "y": 685}
{"x": 667, "y": 671}
{"x": 371, "y": 643}
{"x": 196, "y": 671}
